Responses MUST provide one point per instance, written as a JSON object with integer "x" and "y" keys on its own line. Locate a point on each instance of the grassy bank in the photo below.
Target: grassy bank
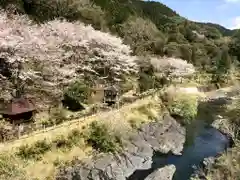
{"x": 227, "y": 166}
{"x": 39, "y": 155}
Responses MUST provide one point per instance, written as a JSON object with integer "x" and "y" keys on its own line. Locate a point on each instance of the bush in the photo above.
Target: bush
{"x": 77, "y": 93}
{"x": 6, "y": 131}
{"x": 136, "y": 122}
{"x": 227, "y": 166}
{"x": 184, "y": 106}
{"x": 102, "y": 139}
{"x": 10, "y": 169}
{"x": 172, "y": 49}
{"x": 232, "y": 113}
{"x": 127, "y": 85}
{"x": 57, "y": 115}
{"x": 147, "y": 110}
{"x": 73, "y": 138}
{"x": 34, "y": 151}
{"x": 47, "y": 122}
{"x": 146, "y": 75}
{"x": 62, "y": 142}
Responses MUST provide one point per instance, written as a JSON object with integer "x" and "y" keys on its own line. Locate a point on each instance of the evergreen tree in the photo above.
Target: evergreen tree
{"x": 222, "y": 66}
{"x": 235, "y": 45}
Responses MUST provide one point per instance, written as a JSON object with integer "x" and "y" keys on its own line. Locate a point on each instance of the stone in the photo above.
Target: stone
{"x": 208, "y": 162}
{"x": 165, "y": 173}
{"x": 164, "y": 136}
{"x": 103, "y": 162}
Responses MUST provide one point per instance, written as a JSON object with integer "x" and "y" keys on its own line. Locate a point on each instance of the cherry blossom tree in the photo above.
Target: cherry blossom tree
{"x": 58, "y": 52}
{"x": 172, "y": 67}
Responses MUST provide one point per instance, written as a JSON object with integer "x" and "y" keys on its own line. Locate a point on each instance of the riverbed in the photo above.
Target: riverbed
{"x": 208, "y": 143}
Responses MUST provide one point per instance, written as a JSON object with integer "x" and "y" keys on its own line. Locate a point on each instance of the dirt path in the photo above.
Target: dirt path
{"x": 65, "y": 127}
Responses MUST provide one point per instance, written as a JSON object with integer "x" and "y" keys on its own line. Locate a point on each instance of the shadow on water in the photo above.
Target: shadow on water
{"x": 202, "y": 141}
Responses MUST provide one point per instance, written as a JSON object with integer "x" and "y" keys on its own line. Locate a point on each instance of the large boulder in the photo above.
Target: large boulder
{"x": 165, "y": 173}
{"x": 163, "y": 136}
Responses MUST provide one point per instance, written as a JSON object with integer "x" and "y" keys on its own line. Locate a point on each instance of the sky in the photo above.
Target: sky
{"x": 223, "y": 12}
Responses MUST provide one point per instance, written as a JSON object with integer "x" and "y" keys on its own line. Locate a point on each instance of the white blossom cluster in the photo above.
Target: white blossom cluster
{"x": 59, "y": 51}
{"x": 172, "y": 67}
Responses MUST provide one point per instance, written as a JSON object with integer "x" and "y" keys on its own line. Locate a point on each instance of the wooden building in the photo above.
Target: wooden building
{"x": 111, "y": 94}
{"x": 19, "y": 110}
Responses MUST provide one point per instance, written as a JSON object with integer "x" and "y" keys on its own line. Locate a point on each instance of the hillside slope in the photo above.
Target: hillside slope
{"x": 147, "y": 26}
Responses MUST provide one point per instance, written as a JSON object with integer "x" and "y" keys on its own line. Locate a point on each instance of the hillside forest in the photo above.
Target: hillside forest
{"x": 68, "y": 55}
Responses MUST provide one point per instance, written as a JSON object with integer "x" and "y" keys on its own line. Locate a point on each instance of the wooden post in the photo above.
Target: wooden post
{"x": 79, "y": 120}
{"x": 19, "y": 133}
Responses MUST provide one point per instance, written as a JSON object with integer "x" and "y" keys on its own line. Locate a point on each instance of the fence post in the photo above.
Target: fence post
{"x": 19, "y": 132}
{"x": 80, "y": 120}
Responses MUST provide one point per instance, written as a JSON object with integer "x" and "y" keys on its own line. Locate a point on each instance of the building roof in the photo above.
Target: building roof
{"x": 19, "y": 106}
{"x": 112, "y": 88}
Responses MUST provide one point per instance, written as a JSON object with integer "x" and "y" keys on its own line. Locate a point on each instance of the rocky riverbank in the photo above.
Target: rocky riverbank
{"x": 166, "y": 138}
{"x": 163, "y": 136}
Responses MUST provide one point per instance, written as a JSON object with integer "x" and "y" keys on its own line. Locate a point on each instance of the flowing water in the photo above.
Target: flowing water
{"x": 202, "y": 141}
{"x": 208, "y": 143}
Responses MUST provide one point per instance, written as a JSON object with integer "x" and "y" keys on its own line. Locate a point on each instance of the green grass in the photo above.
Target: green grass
{"x": 40, "y": 157}
{"x": 102, "y": 139}
{"x": 10, "y": 169}
{"x": 227, "y": 166}
{"x": 41, "y": 147}
{"x": 34, "y": 151}
{"x": 183, "y": 105}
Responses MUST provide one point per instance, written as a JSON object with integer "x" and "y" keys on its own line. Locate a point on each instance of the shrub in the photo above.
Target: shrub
{"x": 127, "y": 85}
{"x": 147, "y": 110}
{"x": 146, "y": 75}
{"x": 77, "y": 93}
{"x": 102, "y": 139}
{"x": 57, "y": 115}
{"x": 227, "y": 166}
{"x": 146, "y": 82}
{"x": 183, "y": 105}
{"x": 34, "y": 151}
{"x": 144, "y": 113}
{"x": 59, "y": 163}
{"x": 172, "y": 49}
{"x": 232, "y": 112}
{"x": 6, "y": 131}
{"x": 75, "y": 136}
{"x": 67, "y": 142}
{"x": 10, "y": 169}
{"x": 62, "y": 142}
{"x": 47, "y": 122}
{"x": 135, "y": 122}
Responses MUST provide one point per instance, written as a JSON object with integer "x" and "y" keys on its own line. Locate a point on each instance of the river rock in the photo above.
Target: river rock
{"x": 208, "y": 162}
{"x": 223, "y": 125}
{"x": 165, "y": 136}
{"x": 165, "y": 173}
{"x": 206, "y": 165}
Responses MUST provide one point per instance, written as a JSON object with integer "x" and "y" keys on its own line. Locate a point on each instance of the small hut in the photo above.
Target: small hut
{"x": 19, "y": 110}
{"x": 110, "y": 95}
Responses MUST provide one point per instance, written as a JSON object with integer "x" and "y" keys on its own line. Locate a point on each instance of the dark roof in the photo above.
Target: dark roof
{"x": 112, "y": 88}
{"x": 19, "y": 106}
